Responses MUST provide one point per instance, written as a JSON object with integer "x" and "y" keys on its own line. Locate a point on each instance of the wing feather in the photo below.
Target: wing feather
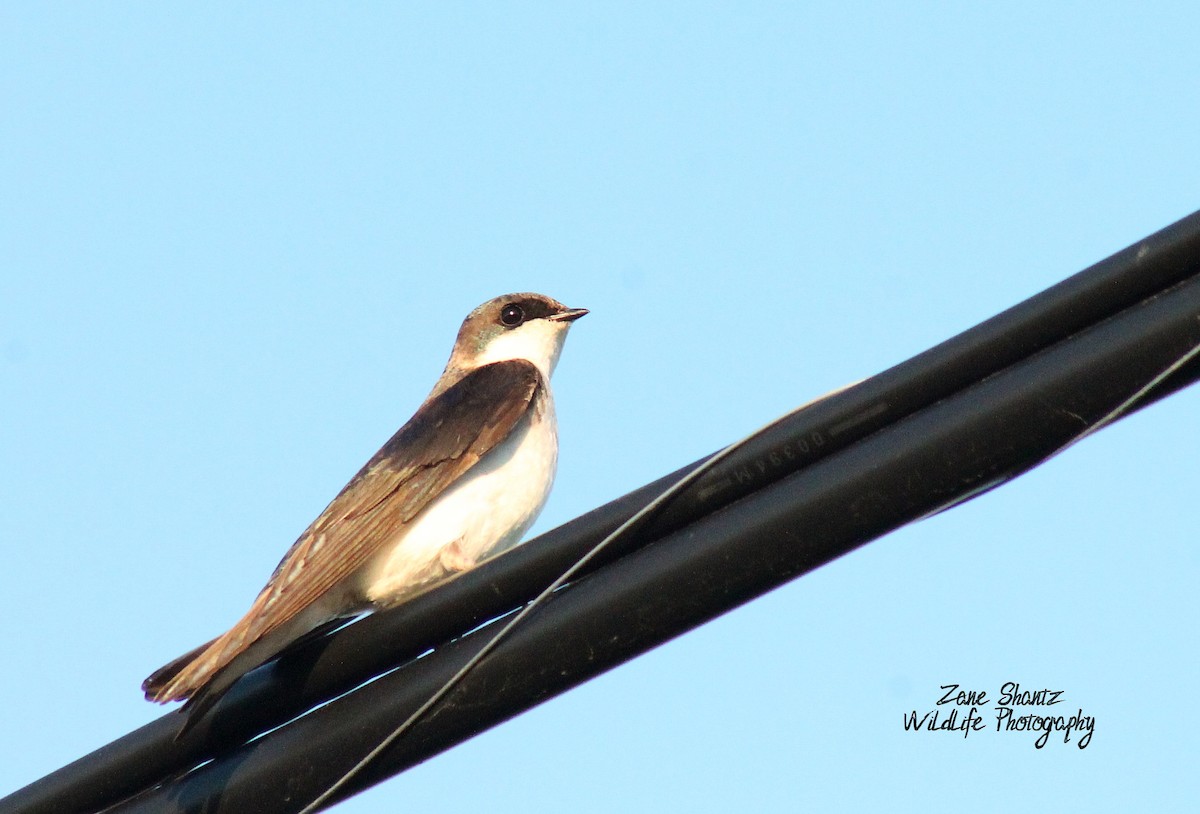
{"x": 447, "y": 436}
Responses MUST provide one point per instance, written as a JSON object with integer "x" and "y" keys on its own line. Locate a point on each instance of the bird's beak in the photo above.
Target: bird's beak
{"x": 570, "y": 315}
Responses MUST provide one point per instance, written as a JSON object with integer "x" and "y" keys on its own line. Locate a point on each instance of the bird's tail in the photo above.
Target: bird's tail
{"x": 182, "y": 678}
{"x": 200, "y": 677}
{"x": 203, "y": 675}
{"x": 220, "y": 662}
{"x": 156, "y": 686}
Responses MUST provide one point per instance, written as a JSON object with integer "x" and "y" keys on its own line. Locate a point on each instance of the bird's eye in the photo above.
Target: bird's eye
{"x": 512, "y": 315}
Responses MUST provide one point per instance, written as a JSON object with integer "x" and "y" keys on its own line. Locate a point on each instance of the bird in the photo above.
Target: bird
{"x": 462, "y": 480}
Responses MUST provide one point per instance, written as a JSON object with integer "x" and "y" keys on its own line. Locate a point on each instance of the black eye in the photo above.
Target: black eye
{"x": 512, "y": 315}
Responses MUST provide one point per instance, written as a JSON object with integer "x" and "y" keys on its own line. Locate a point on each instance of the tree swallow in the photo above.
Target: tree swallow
{"x": 464, "y": 479}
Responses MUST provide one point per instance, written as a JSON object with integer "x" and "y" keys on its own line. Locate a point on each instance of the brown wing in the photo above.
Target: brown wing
{"x": 437, "y": 446}
{"x": 446, "y": 437}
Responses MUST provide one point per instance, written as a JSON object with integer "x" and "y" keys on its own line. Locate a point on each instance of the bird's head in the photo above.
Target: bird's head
{"x": 515, "y": 326}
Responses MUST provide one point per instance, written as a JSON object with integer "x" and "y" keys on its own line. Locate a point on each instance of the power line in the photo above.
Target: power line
{"x": 946, "y": 425}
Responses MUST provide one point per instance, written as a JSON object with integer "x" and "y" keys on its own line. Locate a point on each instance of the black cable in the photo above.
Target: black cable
{"x": 959, "y": 418}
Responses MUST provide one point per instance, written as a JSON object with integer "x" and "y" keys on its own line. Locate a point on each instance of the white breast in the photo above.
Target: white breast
{"x": 486, "y": 512}
{"x": 539, "y": 341}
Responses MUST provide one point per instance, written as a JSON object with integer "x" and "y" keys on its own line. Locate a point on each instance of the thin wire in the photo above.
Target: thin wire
{"x": 640, "y": 515}
{"x": 1116, "y": 412}
{"x": 1108, "y": 418}
{"x": 541, "y": 598}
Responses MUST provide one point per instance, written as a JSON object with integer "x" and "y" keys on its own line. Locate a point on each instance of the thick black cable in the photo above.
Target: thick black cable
{"x": 973, "y": 440}
{"x": 1130, "y": 291}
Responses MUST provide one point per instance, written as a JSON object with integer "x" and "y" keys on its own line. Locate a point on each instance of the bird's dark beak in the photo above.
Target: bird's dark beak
{"x": 570, "y": 315}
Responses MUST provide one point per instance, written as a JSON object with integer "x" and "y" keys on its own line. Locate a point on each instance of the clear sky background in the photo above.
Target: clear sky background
{"x": 236, "y": 243}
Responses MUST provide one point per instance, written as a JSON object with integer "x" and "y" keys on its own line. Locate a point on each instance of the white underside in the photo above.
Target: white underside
{"x": 485, "y": 513}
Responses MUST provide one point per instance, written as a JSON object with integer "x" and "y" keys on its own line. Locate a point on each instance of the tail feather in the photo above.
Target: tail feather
{"x": 202, "y": 676}
{"x": 249, "y": 642}
{"x": 182, "y": 678}
{"x": 191, "y": 678}
{"x": 154, "y": 687}
{"x": 240, "y": 649}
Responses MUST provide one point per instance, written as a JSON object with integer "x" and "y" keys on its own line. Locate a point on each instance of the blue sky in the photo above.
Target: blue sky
{"x": 235, "y": 245}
